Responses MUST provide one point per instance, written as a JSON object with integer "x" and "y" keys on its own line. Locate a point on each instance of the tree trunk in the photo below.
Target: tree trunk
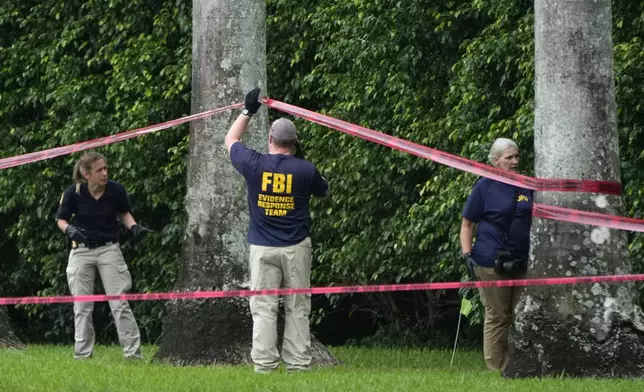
{"x": 228, "y": 59}
{"x": 579, "y": 330}
{"x": 7, "y": 338}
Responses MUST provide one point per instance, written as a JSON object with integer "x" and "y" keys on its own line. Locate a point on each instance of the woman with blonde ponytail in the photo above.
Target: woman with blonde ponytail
{"x": 98, "y": 205}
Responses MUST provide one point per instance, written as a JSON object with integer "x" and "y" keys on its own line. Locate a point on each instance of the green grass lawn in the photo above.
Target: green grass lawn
{"x": 52, "y": 368}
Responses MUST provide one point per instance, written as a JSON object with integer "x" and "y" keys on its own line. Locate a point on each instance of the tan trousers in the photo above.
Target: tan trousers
{"x": 273, "y": 268}
{"x": 499, "y": 305}
{"x": 81, "y": 274}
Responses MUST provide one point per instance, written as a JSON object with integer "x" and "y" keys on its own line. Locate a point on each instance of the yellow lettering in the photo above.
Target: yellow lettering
{"x": 275, "y": 205}
{"x": 272, "y": 212}
{"x": 278, "y": 182}
{"x": 281, "y": 183}
{"x": 266, "y": 179}
{"x": 289, "y": 183}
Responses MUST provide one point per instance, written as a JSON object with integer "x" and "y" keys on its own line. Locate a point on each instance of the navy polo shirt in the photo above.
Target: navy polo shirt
{"x": 97, "y": 218}
{"x": 279, "y": 190}
{"x": 490, "y": 205}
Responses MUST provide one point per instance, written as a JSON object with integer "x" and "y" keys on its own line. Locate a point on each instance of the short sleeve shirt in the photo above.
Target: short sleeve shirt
{"x": 97, "y": 218}
{"x": 279, "y": 190}
{"x": 491, "y": 204}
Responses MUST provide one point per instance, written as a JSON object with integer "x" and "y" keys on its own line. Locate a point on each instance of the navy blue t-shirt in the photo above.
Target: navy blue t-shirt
{"x": 279, "y": 189}
{"x": 490, "y": 205}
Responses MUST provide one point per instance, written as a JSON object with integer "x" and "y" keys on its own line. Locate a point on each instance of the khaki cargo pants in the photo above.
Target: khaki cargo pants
{"x": 273, "y": 268}
{"x": 81, "y": 274}
{"x": 499, "y": 305}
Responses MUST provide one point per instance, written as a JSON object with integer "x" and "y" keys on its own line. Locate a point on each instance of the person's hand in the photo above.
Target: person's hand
{"x": 75, "y": 233}
{"x": 139, "y": 231}
{"x": 469, "y": 264}
{"x": 251, "y": 102}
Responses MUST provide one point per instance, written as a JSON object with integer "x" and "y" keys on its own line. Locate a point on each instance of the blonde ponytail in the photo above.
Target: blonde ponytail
{"x": 77, "y": 176}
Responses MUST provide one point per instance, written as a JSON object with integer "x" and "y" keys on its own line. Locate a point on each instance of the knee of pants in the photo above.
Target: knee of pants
{"x": 496, "y": 317}
{"x": 119, "y": 306}
{"x": 266, "y": 306}
{"x": 298, "y": 306}
{"x": 83, "y": 308}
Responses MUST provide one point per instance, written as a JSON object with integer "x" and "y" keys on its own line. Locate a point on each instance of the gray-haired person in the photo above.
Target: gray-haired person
{"x": 280, "y": 186}
{"x": 501, "y": 214}
{"x": 97, "y": 205}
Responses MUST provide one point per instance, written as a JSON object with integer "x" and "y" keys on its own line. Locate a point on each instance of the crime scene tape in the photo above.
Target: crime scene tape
{"x": 467, "y": 165}
{"x": 320, "y": 290}
{"x": 587, "y": 218}
{"x": 18, "y": 160}
{"x": 464, "y": 164}
{"x": 457, "y": 162}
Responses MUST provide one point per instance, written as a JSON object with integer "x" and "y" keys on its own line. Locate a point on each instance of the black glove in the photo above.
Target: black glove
{"x": 469, "y": 264}
{"x": 75, "y": 233}
{"x": 139, "y": 231}
{"x": 251, "y": 102}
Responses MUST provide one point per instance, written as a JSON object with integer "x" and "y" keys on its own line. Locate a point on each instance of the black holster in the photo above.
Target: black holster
{"x": 506, "y": 264}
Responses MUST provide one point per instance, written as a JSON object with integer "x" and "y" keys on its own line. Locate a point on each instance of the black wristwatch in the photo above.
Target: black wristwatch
{"x": 245, "y": 112}
{"x": 466, "y": 255}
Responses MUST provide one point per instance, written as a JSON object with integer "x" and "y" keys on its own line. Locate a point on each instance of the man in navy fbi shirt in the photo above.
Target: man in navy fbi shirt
{"x": 280, "y": 186}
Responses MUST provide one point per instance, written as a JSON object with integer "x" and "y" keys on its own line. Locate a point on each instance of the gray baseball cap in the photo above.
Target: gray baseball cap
{"x": 283, "y": 130}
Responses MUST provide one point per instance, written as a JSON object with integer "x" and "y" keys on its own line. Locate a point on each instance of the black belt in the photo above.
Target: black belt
{"x": 94, "y": 245}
